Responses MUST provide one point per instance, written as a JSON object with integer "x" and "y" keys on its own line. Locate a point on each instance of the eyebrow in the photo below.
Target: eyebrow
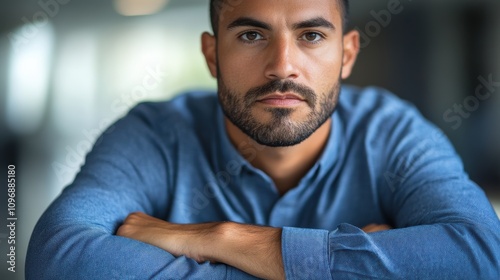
{"x": 310, "y": 23}
{"x": 246, "y": 21}
{"x": 314, "y": 22}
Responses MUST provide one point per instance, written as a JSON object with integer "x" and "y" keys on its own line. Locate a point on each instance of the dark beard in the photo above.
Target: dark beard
{"x": 281, "y": 131}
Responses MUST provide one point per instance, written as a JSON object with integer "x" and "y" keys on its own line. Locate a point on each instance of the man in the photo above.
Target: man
{"x": 275, "y": 177}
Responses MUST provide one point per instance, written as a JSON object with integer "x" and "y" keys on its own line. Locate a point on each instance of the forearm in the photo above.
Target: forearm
{"x": 253, "y": 249}
{"x": 80, "y": 252}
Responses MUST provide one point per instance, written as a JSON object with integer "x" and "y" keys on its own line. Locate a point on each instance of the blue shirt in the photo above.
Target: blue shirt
{"x": 383, "y": 163}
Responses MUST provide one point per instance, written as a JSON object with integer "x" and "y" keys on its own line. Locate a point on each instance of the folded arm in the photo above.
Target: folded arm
{"x": 253, "y": 249}
{"x": 126, "y": 172}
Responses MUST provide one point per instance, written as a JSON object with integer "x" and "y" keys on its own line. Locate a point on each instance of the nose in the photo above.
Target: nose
{"x": 282, "y": 57}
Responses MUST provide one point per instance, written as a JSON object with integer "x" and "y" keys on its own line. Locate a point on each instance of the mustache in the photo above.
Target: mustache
{"x": 281, "y": 86}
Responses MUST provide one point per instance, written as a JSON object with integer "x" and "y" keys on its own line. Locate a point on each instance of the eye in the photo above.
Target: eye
{"x": 251, "y": 37}
{"x": 312, "y": 37}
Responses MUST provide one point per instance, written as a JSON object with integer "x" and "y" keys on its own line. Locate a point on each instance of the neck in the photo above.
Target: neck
{"x": 285, "y": 165}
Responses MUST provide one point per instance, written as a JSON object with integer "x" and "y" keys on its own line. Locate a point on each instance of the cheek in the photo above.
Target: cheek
{"x": 323, "y": 70}
{"x": 326, "y": 62}
{"x": 238, "y": 71}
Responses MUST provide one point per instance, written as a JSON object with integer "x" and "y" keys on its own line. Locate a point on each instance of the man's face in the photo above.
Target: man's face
{"x": 279, "y": 64}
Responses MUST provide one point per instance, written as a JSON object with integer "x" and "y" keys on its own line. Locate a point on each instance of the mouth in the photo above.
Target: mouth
{"x": 282, "y": 100}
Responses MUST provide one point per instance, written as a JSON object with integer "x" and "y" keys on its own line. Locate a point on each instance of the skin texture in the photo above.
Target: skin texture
{"x": 283, "y": 58}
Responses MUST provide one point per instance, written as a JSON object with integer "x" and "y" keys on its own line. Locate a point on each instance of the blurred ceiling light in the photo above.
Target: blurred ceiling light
{"x": 139, "y": 7}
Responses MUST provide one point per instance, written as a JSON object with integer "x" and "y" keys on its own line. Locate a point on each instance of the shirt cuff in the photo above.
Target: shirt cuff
{"x": 305, "y": 253}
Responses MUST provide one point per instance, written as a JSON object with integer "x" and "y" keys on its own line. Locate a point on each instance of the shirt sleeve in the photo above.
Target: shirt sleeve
{"x": 445, "y": 227}
{"x": 127, "y": 171}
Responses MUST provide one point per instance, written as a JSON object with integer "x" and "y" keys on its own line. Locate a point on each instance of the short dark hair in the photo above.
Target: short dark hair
{"x": 216, "y": 7}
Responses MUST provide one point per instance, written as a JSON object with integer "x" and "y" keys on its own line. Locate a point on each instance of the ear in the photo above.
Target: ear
{"x": 351, "y": 50}
{"x": 209, "y": 49}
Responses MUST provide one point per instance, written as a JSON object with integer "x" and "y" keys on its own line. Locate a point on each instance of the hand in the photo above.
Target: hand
{"x": 375, "y": 227}
{"x": 179, "y": 240}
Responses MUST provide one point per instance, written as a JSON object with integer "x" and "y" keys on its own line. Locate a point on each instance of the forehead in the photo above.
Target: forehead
{"x": 280, "y": 11}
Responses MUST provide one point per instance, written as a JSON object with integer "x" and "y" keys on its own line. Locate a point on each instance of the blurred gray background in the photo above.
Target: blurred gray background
{"x": 69, "y": 68}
